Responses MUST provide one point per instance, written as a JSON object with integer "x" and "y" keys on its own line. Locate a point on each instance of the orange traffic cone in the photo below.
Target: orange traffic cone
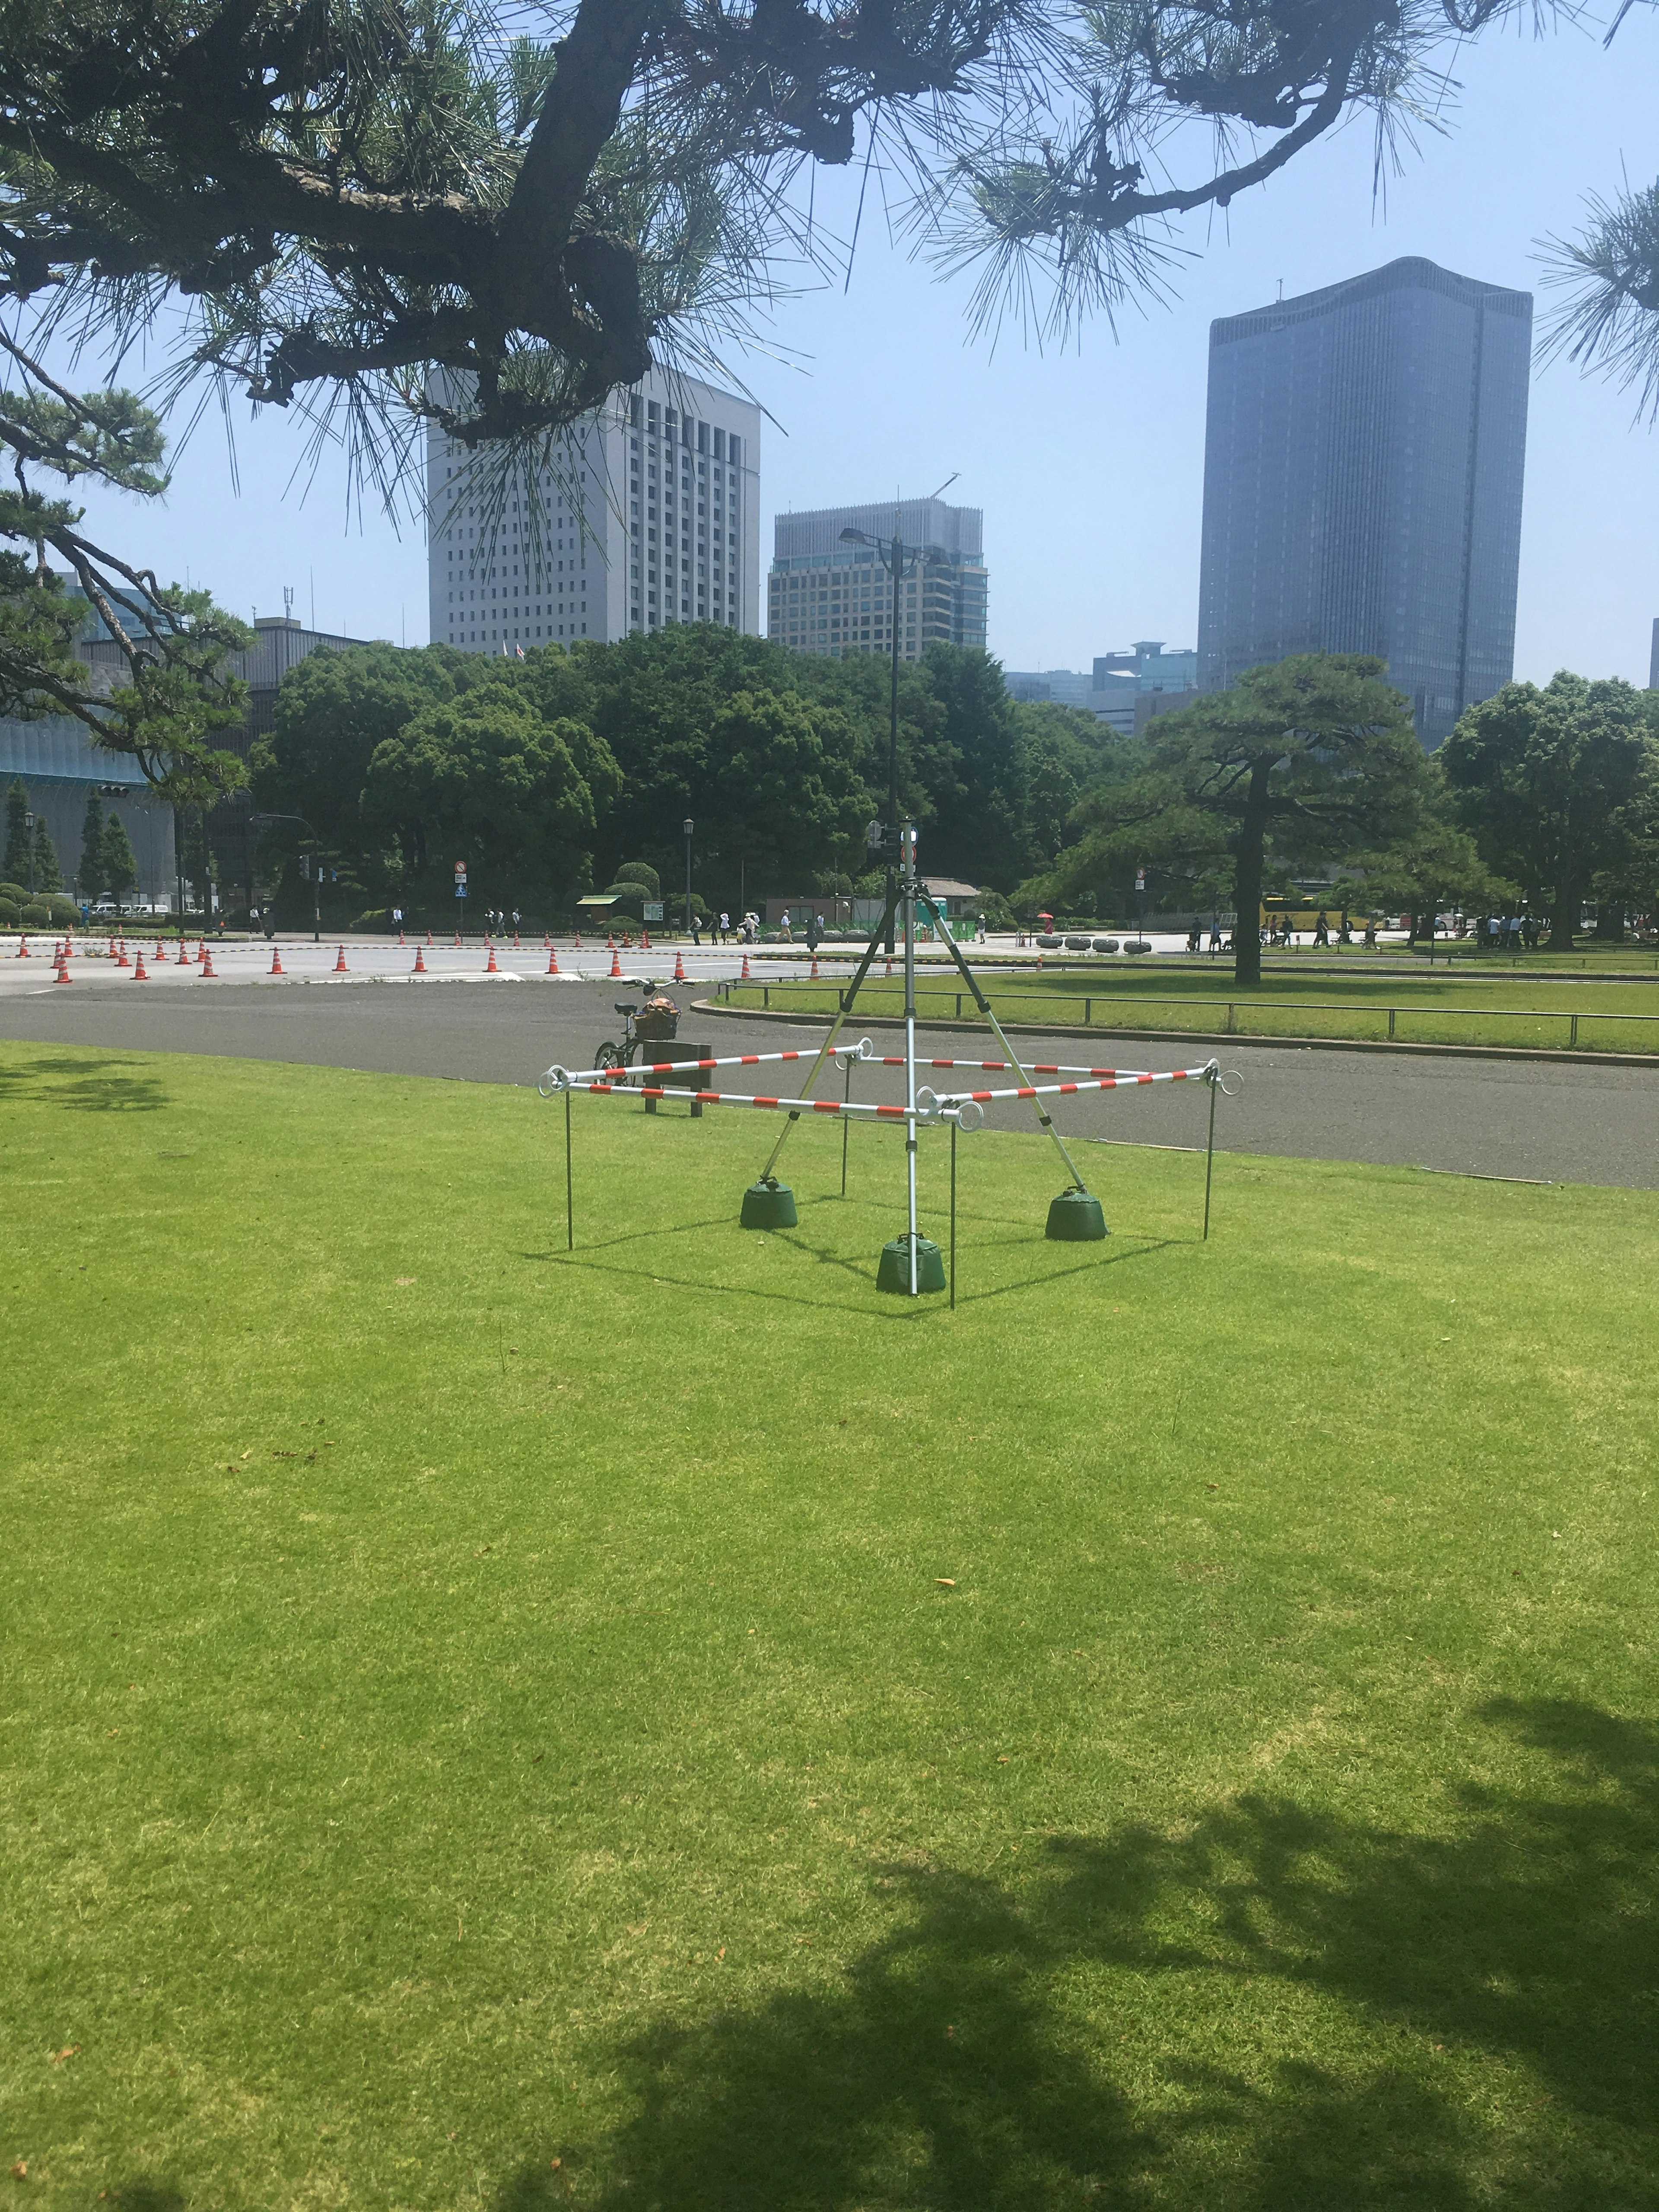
{"x": 517, "y": 947}
{"x": 183, "y": 961}
{"x": 124, "y": 962}
{"x": 428, "y": 938}
{"x": 815, "y": 967}
{"x": 400, "y": 937}
{"x": 458, "y": 940}
{"x": 63, "y": 974}
{"x": 23, "y": 952}
{"x": 547, "y": 941}
{"x": 139, "y": 974}
{"x": 492, "y": 970}
{"x": 160, "y": 953}
{"x": 277, "y": 967}
{"x": 579, "y": 940}
{"x": 679, "y": 966}
{"x": 744, "y": 978}
{"x": 645, "y": 939}
{"x": 201, "y": 948}
{"x": 419, "y": 969}
{"x": 610, "y": 942}
{"x": 207, "y": 960}
{"x": 552, "y": 959}
{"x": 339, "y": 965}
{"x": 615, "y": 964}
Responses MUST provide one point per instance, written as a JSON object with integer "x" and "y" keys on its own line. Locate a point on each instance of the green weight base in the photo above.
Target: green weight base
{"x": 769, "y": 1206}
{"x": 894, "y": 1273}
{"x": 1075, "y": 1217}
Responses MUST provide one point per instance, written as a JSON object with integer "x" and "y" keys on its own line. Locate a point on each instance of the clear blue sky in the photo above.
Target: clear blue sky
{"x": 1089, "y": 464}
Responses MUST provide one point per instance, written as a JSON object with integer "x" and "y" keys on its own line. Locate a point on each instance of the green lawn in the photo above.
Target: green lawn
{"x": 670, "y": 1728}
{"x": 1491, "y": 1008}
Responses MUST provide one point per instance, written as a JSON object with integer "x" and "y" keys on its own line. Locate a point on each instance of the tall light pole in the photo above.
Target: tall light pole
{"x": 687, "y": 826}
{"x": 900, "y": 561}
{"x": 28, "y": 831}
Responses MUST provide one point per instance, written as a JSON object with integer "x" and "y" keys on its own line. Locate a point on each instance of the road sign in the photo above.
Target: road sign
{"x": 460, "y": 868}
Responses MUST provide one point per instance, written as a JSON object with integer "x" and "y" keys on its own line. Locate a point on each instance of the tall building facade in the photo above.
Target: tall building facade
{"x": 827, "y": 597}
{"x": 1364, "y": 454}
{"x": 652, "y": 517}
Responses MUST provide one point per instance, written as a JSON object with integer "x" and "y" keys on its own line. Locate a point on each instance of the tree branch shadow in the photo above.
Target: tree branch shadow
{"x": 1018, "y": 2046}
{"x": 83, "y": 1086}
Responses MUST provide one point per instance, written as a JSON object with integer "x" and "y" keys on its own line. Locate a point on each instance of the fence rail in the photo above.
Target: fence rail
{"x": 1047, "y": 1005}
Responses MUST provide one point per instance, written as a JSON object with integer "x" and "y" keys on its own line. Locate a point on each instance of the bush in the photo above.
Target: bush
{"x": 9, "y": 912}
{"x": 36, "y": 914}
{"x": 640, "y": 872}
{"x": 13, "y": 892}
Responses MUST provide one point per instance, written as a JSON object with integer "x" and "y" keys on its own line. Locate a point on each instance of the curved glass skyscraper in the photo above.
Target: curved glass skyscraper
{"x": 1363, "y": 461}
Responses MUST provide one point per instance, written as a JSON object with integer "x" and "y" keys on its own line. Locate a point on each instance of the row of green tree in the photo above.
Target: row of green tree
{"x": 1545, "y": 798}
{"x": 107, "y": 861}
{"x": 545, "y": 775}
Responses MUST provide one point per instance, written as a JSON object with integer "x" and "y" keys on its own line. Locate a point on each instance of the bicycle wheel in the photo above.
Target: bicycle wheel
{"x": 610, "y": 1056}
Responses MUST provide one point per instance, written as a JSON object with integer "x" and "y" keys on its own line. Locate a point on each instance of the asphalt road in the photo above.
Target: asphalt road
{"x": 1519, "y": 1118}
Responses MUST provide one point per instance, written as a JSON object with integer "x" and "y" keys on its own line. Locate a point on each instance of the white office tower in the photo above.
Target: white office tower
{"x": 653, "y": 517}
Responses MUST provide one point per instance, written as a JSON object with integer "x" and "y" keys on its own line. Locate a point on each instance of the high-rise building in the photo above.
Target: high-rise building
{"x": 1363, "y": 462}
{"x": 825, "y": 596}
{"x": 653, "y": 517}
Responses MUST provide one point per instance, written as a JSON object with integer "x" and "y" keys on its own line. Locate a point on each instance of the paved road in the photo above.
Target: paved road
{"x": 1517, "y": 1118}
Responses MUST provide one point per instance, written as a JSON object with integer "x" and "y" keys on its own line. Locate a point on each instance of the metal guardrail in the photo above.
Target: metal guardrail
{"x": 1088, "y": 999}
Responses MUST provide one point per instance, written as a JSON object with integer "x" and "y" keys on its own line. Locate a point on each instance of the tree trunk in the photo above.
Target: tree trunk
{"x": 1564, "y": 918}
{"x": 1247, "y": 877}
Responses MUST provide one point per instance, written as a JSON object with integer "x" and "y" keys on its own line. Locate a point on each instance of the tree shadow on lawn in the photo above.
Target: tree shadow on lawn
{"x": 989, "y": 2054}
{"x": 84, "y": 1087}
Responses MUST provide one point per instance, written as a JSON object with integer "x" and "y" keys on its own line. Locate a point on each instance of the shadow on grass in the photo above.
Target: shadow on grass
{"x": 861, "y": 1270}
{"x": 1479, "y": 2002}
{"x": 83, "y": 1086}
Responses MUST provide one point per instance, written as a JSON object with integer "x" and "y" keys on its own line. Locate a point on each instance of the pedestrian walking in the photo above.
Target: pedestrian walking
{"x": 696, "y": 928}
{"x": 726, "y": 924}
{"x": 783, "y": 926}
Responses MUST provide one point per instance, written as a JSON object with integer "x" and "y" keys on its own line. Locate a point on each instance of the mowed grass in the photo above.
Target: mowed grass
{"x": 669, "y": 1727}
{"x": 1495, "y": 1007}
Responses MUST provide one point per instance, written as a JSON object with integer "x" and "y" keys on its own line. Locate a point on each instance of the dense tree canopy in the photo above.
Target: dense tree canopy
{"x": 1559, "y": 786}
{"x": 779, "y": 760}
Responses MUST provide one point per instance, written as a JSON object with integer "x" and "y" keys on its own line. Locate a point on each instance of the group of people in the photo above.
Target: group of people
{"x": 720, "y": 931}
{"x": 1280, "y": 931}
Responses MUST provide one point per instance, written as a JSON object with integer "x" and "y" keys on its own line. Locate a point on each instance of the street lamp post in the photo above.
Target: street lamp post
{"x": 901, "y": 560}
{"x": 687, "y": 825}
{"x": 28, "y": 831}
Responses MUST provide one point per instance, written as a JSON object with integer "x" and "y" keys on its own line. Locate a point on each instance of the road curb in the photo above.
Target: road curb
{"x": 1215, "y": 1039}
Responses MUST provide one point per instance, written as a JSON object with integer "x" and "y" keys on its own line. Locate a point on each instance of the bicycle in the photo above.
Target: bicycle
{"x": 656, "y": 1022}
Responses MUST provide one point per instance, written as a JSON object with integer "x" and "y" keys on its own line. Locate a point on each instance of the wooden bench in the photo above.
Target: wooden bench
{"x": 692, "y": 1079}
